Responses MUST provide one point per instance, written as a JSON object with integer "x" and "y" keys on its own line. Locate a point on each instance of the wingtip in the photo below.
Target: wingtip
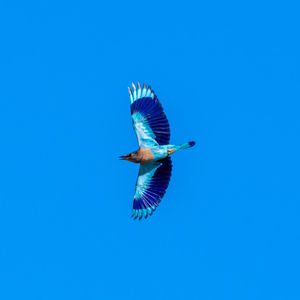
{"x": 142, "y": 213}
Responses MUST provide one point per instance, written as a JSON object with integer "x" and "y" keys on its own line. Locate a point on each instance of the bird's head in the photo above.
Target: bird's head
{"x": 133, "y": 157}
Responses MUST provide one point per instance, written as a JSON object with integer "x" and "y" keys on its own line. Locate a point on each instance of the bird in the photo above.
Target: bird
{"x": 153, "y": 134}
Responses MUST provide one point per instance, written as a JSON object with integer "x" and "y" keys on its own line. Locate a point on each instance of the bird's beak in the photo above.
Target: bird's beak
{"x": 124, "y": 157}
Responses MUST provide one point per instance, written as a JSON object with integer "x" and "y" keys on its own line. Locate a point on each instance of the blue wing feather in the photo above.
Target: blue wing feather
{"x": 152, "y": 183}
{"x": 149, "y": 120}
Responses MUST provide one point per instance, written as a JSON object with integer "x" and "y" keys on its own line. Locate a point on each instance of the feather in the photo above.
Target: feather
{"x": 152, "y": 183}
{"x": 144, "y": 90}
{"x": 130, "y": 95}
{"x": 148, "y": 91}
{"x": 139, "y": 92}
{"x": 134, "y": 91}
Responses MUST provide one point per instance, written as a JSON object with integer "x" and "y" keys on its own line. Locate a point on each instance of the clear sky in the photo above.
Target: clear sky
{"x": 227, "y": 74}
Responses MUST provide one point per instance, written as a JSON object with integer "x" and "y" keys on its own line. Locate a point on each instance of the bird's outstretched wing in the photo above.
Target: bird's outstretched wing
{"x": 148, "y": 118}
{"x": 151, "y": 185}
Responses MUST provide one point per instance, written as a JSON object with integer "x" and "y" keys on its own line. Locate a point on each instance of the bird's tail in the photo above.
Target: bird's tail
{"x": 185, "y": 146}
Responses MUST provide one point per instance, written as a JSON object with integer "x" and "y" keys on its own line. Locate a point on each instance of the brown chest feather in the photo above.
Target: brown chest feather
{"x": 145, "y": 155}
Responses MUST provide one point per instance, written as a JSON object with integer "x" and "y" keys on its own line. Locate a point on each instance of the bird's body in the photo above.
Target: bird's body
{"x": 155, "y": 153}
{"x": 153, "y": 133}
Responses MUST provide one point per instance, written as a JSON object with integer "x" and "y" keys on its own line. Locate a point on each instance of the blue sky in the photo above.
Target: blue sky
{"x": 227, "y": 74}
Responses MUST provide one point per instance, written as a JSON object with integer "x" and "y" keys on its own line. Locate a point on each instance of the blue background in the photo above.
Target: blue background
{"x": 227, "y": 74}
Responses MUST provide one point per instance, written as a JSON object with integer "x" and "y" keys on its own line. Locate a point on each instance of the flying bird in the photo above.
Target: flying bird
{"x": 153, "y": 133}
